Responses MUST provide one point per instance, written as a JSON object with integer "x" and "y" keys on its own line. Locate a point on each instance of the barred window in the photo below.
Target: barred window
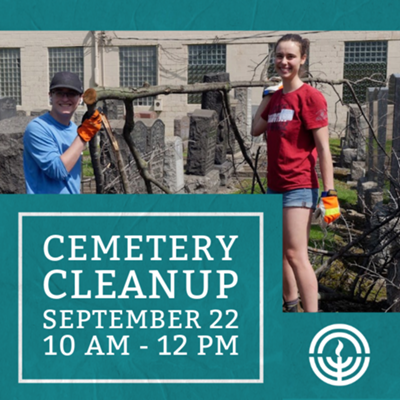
{"x": 204, "y": 59}
{"x": 138, "y": 65}
{"x": 271, "y": 61}
{"x": 66, "y": 59}
{"x": 10, "y": 74}
{"x": 363, "y": 60}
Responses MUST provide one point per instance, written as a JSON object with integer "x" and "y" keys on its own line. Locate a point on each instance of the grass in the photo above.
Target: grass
{"x": 87, "y": 169}
{"x": 327, "y": 240}
{"x": 246, "y": 186}
{"x": 334, "y": 145}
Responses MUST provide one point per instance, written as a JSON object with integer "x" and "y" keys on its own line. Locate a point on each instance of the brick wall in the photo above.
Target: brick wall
{"x": 245, "y": 49}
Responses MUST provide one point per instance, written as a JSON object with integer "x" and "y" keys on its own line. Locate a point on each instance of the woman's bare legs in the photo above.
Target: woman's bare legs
{"x": 290, "y": 290}
{"x": 296, "y": 229}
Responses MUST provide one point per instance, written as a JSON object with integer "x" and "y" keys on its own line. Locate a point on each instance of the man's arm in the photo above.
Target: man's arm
{"x": 91, "y": 124}
{"x": 71, "y": 156}
{"x": 44, "y": 151}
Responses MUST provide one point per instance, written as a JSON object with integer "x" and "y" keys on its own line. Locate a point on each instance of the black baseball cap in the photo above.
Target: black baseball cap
{"x": 68, "y": 80}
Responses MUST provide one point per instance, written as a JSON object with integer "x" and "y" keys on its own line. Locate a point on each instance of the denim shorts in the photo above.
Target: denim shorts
{"x": 306, "y": 198}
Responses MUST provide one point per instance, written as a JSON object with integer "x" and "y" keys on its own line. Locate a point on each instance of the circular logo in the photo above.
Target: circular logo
{"x": 339, "y": 355}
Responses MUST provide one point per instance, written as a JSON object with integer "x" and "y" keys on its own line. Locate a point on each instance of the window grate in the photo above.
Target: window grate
{"x": 66, "y": 59}
{"x": 137, "y": 65}
{"x": 362, "y": 60}
{"x": 204, "y": 59}
{"x": 10, "y": 74}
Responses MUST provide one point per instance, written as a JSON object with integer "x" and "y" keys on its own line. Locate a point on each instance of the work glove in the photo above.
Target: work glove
{"x": 272, "y": 89}
{"x": 91, "y": 124}
{"x": 329, "y": 206}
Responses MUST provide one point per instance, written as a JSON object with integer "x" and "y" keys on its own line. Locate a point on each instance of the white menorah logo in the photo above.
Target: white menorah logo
{"x": 344, "y": 372}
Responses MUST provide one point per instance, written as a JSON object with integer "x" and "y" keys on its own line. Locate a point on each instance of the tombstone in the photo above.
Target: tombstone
{"x": 232, "y": 145}
{"x": 371, "y": 97}
{"x": 212, "y": 100}
{"x": 357, "y": 170}
{"x": 226, "y": 171}
{"x": 242, "y": 113}
{"x": 356, "y": 132}
{"x": 39, "y": 112}
{"x": 173, "y": 164}
{"x": 139, "y": 137}
{"x": 382, "y": 97}
{"x": 181, "y": 129}
{"x": 208, "y": 184}
{"x": 157, "y": 135}
{"x": 202, "y": 142}
{"x": 12, "y": 179}
{"x": 156, "y": 154}
{"x": 347, "y": 156}
{"x": 8, "y": 107}
{"x": 394, "y": 98}
{"x": 114, "y": 109}
{"x": 363, "y": 187}
{"x": 78, "y": 115}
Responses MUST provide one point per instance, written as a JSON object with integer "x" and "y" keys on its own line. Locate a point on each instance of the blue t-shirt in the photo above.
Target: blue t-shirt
{"x": 45, "y": 140}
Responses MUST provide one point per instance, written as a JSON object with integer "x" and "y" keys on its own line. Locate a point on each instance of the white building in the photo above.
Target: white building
{"x": 130, "y": 58}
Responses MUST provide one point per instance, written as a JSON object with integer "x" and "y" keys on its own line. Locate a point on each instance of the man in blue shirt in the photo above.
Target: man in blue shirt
{"x": 52, "y": 142}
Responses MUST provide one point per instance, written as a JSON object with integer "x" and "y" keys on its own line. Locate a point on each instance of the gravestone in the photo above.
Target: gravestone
{"x": 232, "y": 145}
{"x": 149, "y": 139}
{"x": 173, "y": 164}
{"x": 78, "y": 115}
{"x": 8, "y": 108}
{"x": 38, "y": 112}
{"x": 382, "y": 97}
{"x": 139, "y": 137}
{"x": 181, "y": 129}
{"x": 156, "y": 153}
{"x": 202, "y": 142}
{"x": 356, "y": 131}
{"x": 12, "y": 178}
{"x": 394, "y": 98}
{"x": 371, "y": 100}
{"x": 114, "y": 109}
{"x": 243, "y": 113}
{"x": 157, "y": 135}
{"x": 212, "y": 100}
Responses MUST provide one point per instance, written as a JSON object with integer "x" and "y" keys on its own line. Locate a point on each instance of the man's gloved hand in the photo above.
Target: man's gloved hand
{"x": 329, "y": 206}
{"x": 91, "y": 124}
{"x": 272, "y": 89}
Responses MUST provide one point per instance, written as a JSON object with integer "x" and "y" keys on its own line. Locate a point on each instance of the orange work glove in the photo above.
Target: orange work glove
{"x": 329, "y": 206}
{"x": 91, "y": 124}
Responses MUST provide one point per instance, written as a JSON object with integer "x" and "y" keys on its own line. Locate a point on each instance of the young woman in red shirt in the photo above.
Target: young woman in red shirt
{"x": 295, "y": 120}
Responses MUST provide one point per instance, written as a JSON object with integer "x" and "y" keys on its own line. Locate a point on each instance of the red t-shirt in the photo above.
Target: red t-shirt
{"x": 291, "y": 148}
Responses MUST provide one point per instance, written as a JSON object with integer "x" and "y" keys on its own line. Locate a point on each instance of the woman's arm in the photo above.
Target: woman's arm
{"x": 259, "y": 125}
{"x": 321, "y": 138}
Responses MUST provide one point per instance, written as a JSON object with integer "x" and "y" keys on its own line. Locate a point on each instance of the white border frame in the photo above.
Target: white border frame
{"x": 260, "y": 215}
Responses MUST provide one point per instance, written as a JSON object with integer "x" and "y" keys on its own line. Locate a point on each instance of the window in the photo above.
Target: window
{"x": 204, "y": 59}
{"x": 137, "y": 65}
{"x": 362, "y": 60}
{"x": 271, "y": 61}
{"x": 10, "y": 74}
{"x": 66, "y": 59}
